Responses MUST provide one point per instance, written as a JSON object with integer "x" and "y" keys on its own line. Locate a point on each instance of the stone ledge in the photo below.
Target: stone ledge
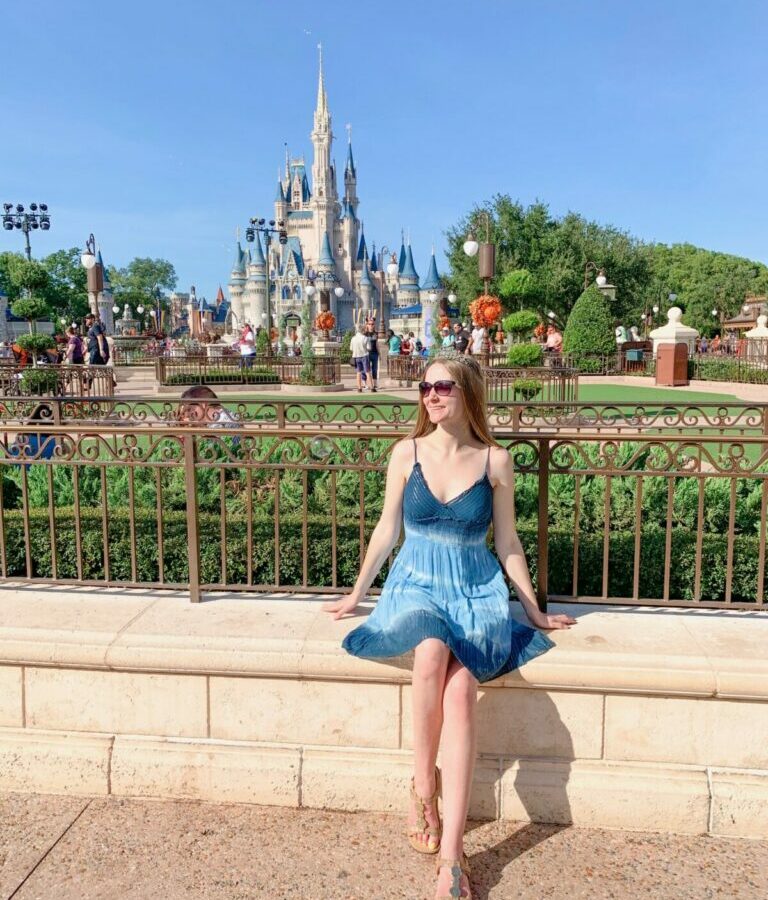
{"x": 694, "y": 653}
{"x": 587, "y": 793}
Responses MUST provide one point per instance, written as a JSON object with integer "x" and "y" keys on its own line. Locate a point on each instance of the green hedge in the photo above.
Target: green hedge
{"x": 319, "y": 561}
{"x": 723, "y": 368}
{"x": 525, "y": 355}
{"x": 225, "y": 376}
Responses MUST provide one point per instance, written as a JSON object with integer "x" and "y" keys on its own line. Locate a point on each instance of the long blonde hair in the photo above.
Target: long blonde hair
{"x": 468, "y": 375}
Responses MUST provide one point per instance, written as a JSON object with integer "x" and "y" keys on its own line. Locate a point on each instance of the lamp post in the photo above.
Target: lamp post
{"x": 392, "y": 270}
{"x": 94, "y": 272}
{"x": 600, "y": 278}
{"x": 261, "y": 226}
{"x": 26, "y": 220}
{"x": 486, "y": 260}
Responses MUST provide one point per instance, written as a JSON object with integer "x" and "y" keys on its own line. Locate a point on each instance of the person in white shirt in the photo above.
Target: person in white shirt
{"x": 247, "y": 347}
{"x": 359, "y": 347}
{"x": 476, "y": 339}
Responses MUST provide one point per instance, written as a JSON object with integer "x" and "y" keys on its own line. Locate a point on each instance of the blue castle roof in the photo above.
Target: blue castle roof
{"x": 365, "y": 278}
{"x": 257, "y": 254}
{"x": 280, "y": 196}
{"x": 432, "y": 281}
{"x": 409, "y": 269}
{"x": 326, "y": 254}
{"x": 239, "y": 264}
{"x": 401, "y": 260}
{"x": 350, "y": 166}
{"x": 362, "y": 250}
{"x": 374, "y": 267}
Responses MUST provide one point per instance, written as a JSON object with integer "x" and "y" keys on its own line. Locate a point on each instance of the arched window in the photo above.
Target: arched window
{"x": 297, "y": 291}
{"x": 286, "y": 294}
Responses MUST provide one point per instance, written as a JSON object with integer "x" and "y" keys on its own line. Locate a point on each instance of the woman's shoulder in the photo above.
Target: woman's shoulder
{"x": 500, "y": 465}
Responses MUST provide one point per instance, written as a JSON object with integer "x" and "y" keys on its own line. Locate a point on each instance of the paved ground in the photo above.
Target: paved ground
{"x": 79, "y": 849}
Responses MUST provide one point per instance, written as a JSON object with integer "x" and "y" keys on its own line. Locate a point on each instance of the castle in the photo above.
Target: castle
{"x": 326, "y": 247}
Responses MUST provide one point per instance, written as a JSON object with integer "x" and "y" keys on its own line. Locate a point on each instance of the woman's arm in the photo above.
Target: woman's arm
{"x": 508, "y": 546}
{"x": 385, "y": 534}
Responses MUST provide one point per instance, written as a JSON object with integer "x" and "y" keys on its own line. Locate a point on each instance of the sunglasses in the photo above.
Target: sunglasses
{"x": 442, "y": 388}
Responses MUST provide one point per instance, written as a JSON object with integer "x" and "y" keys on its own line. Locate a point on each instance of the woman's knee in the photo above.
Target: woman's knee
{"x": 460, "y": 693}
{"x": 430, "y": 660}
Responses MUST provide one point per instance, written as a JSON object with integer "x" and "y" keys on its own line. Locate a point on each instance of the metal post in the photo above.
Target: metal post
{"x": 542, "y": 563}
{"x": 193, "y": 537}
{"x": 267, "y": 242}
{"x": 25, "y": 229}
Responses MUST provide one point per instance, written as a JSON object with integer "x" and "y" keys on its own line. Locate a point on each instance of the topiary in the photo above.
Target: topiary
{"x": 262, "y": 343}
{"x": 524, "y": 356}
{"x": 35, "y": 343}
{"x": 39, "y": 381}
{"x": 29, "y": 308}
{"x": 521, "y": 323}
{"x": 590, "y": 325}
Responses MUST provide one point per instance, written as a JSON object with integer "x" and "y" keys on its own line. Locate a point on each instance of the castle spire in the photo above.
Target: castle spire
{"x": 322, "y": 100}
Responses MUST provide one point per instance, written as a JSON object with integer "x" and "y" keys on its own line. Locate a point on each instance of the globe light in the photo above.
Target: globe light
{"x": 87, "y": 259}
{"x": 152, "y": 313}
{"x": 140, "y": 310}
{"x": 311, "y": 290}
{"x": 643, "y": 317}
{"x": 601, "y": 280}
{"x": 115, "y": 309}
{"x": 339, "y": 291}
{"x": 714, "y": 312}
{"x": 672, "y": 298}
{"x": 471, "y": 246}
{"x": 63, "y": 321}
{"x": 550, "y": 315}
{"x": 655, "y": 309}
{"x": 451, "y": 298}
{"x": 74, "y": 324}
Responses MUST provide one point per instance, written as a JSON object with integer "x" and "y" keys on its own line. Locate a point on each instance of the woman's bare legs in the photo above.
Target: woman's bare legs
{"x": 458, "y": 762}
{"x": 430, "y": 665}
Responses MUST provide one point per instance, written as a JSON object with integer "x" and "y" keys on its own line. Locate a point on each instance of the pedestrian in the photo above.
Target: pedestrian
{"x": 74, "y": 355}
{"x": 372, "y": 347}
{"x": 477, "y": 338}
{"x": 405, "y": 345}
{"x": 247, "y": 347}
{"x": 98, "y": 349}
{"x": 554, "y": 341}
{"x": 460, "y": 338}
{"x": 393, "y": 343}
{"x": 445, "y": 596}
{"x": 448, "y": 338}
{"x": 359, "y": 348}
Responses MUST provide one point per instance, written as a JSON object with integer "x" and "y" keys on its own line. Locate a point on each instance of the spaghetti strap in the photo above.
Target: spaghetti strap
{"x": 415, "y": 453}
{"x": 488, "y": 462}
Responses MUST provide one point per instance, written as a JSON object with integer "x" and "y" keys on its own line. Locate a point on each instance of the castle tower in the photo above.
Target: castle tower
{"x": 323, "y": 199}
{"x": 236, "y": 286}
{"x": 350, "y": 176}
{"x": 255, "y": 296}
{"x": 281, "y": 203}
{"x": 366, "y": 286}
{"x": 408, "y": 287}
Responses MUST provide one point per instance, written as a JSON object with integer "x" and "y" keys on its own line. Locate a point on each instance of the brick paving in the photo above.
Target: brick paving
{"x": 72, "y": 848}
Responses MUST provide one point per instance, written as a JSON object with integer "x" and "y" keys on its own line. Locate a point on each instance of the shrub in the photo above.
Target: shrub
{"x": 345, "y": 351}
{"x": 35, "y": 343}
{"x": 262, "y": 343}
{"x": 29, "y": 308}
{"x": 525, "y": 355}
{"x": 521, "y": 323}
{"x": 39, "y": 381}
{"x": 526, "y": 389}
{"x": 225, "y": 376}
{"x": 590, "y": 325}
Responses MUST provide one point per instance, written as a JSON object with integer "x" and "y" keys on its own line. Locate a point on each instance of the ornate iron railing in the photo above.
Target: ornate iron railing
{"x": 317, "y": 370}
{"x": 227, "y": 504}
{"x": 57, "y": 380}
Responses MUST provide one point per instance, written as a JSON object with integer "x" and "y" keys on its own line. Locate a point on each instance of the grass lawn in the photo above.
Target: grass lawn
{"x": 625, "y": 393}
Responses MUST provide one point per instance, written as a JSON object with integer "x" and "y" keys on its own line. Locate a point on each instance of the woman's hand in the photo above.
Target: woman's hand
{"x": 553, "y": 622}
{"x": 341, "y": 607}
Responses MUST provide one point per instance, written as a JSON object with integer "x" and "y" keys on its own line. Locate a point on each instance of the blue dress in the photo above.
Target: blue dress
{"x": 445, "y": 583}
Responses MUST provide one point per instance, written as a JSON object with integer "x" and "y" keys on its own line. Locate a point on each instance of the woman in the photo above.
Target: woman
{"x": 446, "y": 596}
{"x": 477, "y": 339}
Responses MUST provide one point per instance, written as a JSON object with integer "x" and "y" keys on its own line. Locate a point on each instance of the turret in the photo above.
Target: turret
{"x": 408, "y": 288}
{"x": 350, "y": 177}
{"x": 366, "y": 284}
{"x": 281, "y": 202}
{"x": 237, "y": 285}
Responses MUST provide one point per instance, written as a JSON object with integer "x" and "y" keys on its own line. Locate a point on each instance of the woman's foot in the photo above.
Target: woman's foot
{"x": 453, "y": 879}
{"x": 424, "y": 826}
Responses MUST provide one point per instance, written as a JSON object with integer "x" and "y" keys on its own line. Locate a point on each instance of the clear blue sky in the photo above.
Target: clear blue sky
{"x": 160, "y": 125}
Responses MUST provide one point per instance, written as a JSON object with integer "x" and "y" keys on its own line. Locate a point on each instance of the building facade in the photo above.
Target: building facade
{"x": 326, "y": 246}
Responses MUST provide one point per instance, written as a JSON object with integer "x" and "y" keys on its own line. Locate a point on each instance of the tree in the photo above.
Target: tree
{"x": 520, "y": 324}
{"x": 518, "y": 287}
{"x": 67, "y": 291}
{"x": 143, "y": 281}
{"x": 20, "y": 276}
{"x": 589, "y": 328}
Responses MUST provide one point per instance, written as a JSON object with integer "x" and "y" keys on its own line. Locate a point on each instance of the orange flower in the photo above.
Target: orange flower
{"x": 325, "y": 321}
{"x": 486, "y": 310}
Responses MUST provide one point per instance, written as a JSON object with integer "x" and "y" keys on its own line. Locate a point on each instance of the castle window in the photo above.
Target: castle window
{"x": 297, "y": 292}
{"x": 286, "y": 293}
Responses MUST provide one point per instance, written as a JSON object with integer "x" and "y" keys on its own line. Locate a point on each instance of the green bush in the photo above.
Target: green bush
{"x": 345, "y": 351}
{"x": 521, "y": 323}
{"x": 724, "y": 368}
{"x": 42, "y": 380}
{"x": 525, "y": 356}
{"x": 526, "y": 389}
{"x": 36, "y": 343}
{"x": 262, "y": 343}
{"x": 225, "y": 376}
{"x": 29, "y": 308}
{"x": 590, "y": 325}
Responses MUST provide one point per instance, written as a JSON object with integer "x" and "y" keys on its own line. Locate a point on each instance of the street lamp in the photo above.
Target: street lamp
{"x": 486, "y": 262}
{"x": 391, "y": 270}
{"x": 600, "y": 278}
{"x": 260, "y": 226}
{"x": 94, "y": 272}
{"x": 26, "y": 220}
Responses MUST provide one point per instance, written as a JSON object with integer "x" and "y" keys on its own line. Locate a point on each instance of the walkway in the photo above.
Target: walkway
{"x": 79, "y": 849}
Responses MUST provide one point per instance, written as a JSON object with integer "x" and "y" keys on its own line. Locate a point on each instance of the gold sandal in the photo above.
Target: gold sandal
{"x": 422, "y": 827}
{"x": 458, "y": 868}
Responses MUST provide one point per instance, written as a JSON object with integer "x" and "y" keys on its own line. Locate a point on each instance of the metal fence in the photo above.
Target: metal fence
{"x": 317, "y": 370}
{"x": 147, "y": 501}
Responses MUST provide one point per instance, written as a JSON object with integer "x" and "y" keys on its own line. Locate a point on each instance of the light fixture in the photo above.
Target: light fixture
{"x": 140, "y": 310}
{"x": 471, "y": 246}
{"x": 311, "y": 290}
{"x": 550, "y": 315}
{"x": 339, "y": 291}
{"x": 74, "y": 324}
{"x": 655, "y": 309}
{"x": 672, "y": 297}
{"x": 152, "y": 313}
{"x": 451, "y": 298}
{"x": 115, "y": 309}
{"x": 63, "y": 321}
{"x": 87, "y": 257}
{"x": 643, "y": 317}
{"x": 714, "y": 312}
{"x": 601, "y": 280}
